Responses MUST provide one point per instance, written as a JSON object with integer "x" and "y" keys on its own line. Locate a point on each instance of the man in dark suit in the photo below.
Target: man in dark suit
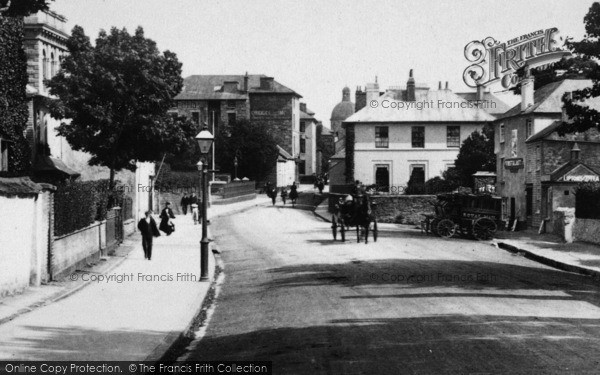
{"x": 149, "y": 230}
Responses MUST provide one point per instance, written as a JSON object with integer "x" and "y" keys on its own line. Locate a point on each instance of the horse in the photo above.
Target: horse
{"x": 293, "y": 194}
{"x": 354, "y": 213}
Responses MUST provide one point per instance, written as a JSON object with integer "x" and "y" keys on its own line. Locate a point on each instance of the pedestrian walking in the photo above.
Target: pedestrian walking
{"x": 293, "y": 193}
{"x": 191, "y": 200}
{"x": 148, "y": 229}
{"x": 195, "y": 213}
{"x": 184, "y": 203}
{"x": 284, "y": 195}
{"x": 166, "y": 225}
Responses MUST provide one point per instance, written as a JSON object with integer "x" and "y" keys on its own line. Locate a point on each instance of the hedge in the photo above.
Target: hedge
{"x": 587, "y": 201}
{"x": 78, "y": 204}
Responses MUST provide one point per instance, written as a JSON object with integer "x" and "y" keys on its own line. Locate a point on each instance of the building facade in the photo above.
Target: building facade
{"x": 307, "y": 165}
{"x": 222, "y": 100}
{"x": 522, "y": 147}
{"x": 408, "y": 133}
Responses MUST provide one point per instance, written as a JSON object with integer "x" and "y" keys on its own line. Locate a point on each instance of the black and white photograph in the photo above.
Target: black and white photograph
{"x": 299, "y": 187}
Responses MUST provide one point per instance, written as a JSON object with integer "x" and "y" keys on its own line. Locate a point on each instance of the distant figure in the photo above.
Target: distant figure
{"x": 195, "y": 214}
{"x": 184, "y": 203}
{"x": 272, "y": 192}
{"x": 320, "y": 185}
{"x": 166, "y": 225}
{"x": 284, "y": 195}
{"x": 293, "y": 193}
{"x": 148, "y": 229}
{"x": 192, "y": 199}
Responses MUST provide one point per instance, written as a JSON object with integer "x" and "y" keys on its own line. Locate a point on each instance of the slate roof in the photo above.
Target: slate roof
{"x": 432, "y": 113}
{"x": 202, "y": 87}
{"x": 548, "y": 99}
{"x": 497, "y": 110}
{"x": 19, "y": 186}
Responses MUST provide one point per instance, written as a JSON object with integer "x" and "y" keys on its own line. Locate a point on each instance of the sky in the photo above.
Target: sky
{"x": 318, "y": 47}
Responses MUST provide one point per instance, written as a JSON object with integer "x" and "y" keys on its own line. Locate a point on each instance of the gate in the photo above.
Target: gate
{"x": 114, "y": 229}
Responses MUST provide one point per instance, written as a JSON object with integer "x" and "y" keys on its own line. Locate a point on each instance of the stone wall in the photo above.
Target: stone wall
{"x": 402, "y": 209}
{"x": 587, "y": 230}
{"x": 74, "y": 249}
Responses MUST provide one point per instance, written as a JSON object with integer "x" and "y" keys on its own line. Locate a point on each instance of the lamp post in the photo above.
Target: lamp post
{"x": 235, "y": 165}
{"x": 205, "y": 140}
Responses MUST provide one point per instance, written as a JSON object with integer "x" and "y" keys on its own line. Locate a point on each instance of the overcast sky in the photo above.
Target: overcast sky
{"x": 318, "y": 47}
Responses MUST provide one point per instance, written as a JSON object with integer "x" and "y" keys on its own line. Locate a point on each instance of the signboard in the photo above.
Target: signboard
{"x": 585, "y": 178}
{"x": 515, "y": 163}
{"x": 493, "y": 61}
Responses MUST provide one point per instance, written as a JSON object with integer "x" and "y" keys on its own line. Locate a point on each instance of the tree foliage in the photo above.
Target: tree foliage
{"x": 20, "y": 8}
{"x": 254, "y": 146}
{"x": 116, "y": 95}
{"x": 476, "y": 154}
{"x": 581, "y": 116}
{"x": 13, "y": 101}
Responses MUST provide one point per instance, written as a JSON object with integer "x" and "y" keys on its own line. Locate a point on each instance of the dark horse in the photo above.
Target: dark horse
{"x": 354, "y": 213}
{"x": 293, "y": 194}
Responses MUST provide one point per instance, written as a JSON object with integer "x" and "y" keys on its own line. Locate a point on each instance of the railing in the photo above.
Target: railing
{"x": 114, "y": 228}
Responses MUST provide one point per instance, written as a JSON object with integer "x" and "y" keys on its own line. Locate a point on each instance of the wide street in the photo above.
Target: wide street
{"x": 406, "y": 304}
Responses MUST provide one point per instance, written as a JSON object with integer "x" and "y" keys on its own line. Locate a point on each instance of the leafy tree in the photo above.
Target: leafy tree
{"x": 20, "y": 8}
{"x": 476, "y": 154}
{"x": 116, "y": 95}
{"x": 254, "y": 146}
{"x": 581, "y": 116}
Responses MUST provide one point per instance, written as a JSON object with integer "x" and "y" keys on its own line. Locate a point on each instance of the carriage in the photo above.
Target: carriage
{"x": 356, "y": 212}
{"x": 474, "y": 215}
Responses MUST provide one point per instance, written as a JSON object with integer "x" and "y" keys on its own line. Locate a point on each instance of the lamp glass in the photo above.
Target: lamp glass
{"x": 205, "y": 140}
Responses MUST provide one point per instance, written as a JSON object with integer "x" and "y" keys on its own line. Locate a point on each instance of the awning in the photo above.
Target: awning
{"x": 47, "y": 164}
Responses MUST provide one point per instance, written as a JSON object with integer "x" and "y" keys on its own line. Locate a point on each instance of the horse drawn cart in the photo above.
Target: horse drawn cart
{"x": 354, "y": 211}
{"x": 474, "y": 215}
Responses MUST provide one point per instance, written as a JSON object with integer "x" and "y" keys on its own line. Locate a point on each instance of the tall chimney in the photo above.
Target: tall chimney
{"x": 246, "y": 78}
{"x": 527, "y": 90}
{"x": 360, "y": 98}
{"x": 372, "y": 92}
{"x": 303, "y": 107}
{"x": 480, "y": 92}
{"x": 410, "y": 87}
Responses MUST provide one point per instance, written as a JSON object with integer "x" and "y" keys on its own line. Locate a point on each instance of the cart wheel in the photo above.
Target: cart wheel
{"x": 446, "y": 228}
{"x": 433, "y": 226}
{"x": 374, "y": 230}
{"x": 484, "y": 228}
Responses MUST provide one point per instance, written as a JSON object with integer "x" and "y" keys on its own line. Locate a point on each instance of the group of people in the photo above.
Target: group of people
{"x": 320, "y": 182}
{"x": 148, "y": 228}
{"x": 191, "y": 202}
{"x": 272, "y": 193}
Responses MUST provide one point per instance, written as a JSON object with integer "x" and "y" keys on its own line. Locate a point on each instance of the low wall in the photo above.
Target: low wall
{"x": 587, "y": 230}
{"x": 129, "y": 227}
{"x": 72, "y": 250}
{"x": 399, "y": 209}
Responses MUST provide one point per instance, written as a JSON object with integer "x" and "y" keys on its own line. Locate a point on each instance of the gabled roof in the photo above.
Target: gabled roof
{"x": 571, "y": 167}
{"x": 499, "y": 108}
{"x": 548, "y": 99}
{"x": 428, "y": 113}
{"x": 202, "y": 87}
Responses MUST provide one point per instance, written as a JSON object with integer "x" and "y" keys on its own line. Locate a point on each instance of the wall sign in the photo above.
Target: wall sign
{"x": 585, "y": 178}
{"x": 514, "y": 163}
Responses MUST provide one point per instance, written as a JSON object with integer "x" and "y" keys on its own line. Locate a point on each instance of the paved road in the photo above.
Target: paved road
{"x": 407, "y": 304}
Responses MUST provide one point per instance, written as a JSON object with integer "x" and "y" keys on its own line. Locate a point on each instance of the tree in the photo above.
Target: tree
{"x": 581, "y": 116}
{"x": 476, "y": 154}
{"x": 20, "y": 8}
{"x": 254, "y": 146}
{"x": 116, "y": 95}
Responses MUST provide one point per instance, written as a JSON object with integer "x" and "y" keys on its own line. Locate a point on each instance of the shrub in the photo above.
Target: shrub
{"x": 587, "y": 201}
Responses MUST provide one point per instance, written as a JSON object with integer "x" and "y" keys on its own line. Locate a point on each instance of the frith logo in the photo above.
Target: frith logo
{"x": 493, "y": 61}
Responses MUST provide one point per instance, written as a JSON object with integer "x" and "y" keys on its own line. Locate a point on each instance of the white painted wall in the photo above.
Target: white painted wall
{"x": 286, "y": 173}
{"x": 436, "y": 156}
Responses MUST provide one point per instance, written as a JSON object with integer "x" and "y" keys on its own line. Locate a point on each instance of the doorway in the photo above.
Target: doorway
{"x": 382, "y": 177}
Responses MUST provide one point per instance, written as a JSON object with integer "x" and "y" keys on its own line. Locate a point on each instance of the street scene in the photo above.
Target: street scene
{"x": 299, "y": 187}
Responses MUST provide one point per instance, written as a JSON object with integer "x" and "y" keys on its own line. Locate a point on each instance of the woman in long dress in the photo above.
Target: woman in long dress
{"x": 166, "y": 225}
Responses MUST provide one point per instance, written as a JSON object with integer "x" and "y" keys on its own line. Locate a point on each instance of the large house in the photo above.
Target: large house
{"x": 537, "y": 168}
{"x": 410, "y": 132}
{"x": 222, "y": 100}
{"x": 307, "y": 165}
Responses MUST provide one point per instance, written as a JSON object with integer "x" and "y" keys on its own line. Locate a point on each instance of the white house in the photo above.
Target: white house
{"x": 308, "y": 142}
{"x": 412, "y": 131}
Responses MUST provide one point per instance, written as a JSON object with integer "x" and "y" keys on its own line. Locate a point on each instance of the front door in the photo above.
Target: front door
{"x": 382, "y": 178}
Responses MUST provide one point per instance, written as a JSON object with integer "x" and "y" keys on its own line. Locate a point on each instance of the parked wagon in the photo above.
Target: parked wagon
{"x": 474, "y": 215}
{"x": 354, "y": 211}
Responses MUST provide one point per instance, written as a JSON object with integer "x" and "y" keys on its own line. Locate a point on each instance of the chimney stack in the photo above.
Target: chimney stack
{"x": 575, "y": 152}
{"x": 372, "y": 92}
{"x": 480, "y": 92}
{"x": 266, "y": 83}
{"x": 360, "y": 98}
{"x": 303, "y": 107}
{"x": 410, "y": 87}
{"x": 527, "y": 99}
{"x": 246, "y": 82}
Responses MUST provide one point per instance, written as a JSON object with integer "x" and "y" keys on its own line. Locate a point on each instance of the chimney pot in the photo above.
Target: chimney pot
{"x": 410, "y": 87}
{"x": 246, "y": 78}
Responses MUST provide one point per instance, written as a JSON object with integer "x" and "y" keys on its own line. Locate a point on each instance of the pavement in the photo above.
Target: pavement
{"x": 124, "y": 307}
{"x": 408, "y": 304}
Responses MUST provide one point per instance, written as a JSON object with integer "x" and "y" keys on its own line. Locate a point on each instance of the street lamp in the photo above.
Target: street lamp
{"x": 205, "y": 140}
{"x": 235, "y": 164}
